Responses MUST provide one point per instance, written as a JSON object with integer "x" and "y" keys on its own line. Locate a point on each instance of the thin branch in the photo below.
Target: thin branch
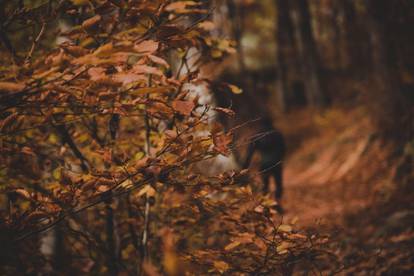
{"x": 37, "y": 39}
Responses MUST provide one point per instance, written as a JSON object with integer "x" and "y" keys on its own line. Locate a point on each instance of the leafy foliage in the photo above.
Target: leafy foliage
{"x": 100, "y": 138}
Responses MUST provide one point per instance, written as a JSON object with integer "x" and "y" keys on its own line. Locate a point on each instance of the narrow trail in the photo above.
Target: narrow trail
{"x": 341, "y": 180}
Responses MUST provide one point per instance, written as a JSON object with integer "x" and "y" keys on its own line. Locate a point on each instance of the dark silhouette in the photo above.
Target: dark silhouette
{"x": 270, "y": 144}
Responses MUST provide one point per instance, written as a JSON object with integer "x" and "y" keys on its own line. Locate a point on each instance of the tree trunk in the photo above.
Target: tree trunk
{"x": 284, "y": 38}
{"x": 387, "y": 96}
{"x": 308, "y": 52}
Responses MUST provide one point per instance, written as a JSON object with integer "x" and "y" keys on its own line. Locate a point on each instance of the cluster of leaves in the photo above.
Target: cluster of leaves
{"x": 100, "y": 136}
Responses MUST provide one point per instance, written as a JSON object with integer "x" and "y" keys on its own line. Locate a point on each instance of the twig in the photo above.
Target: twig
{"x": 37, "y": 39}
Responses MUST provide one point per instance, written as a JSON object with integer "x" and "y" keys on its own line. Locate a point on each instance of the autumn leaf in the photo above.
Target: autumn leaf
{"x": 183, "y": 107}
{"x": 181, "y": 6}
{"x": 207, "y": 25}
{"x": 222, "y": 142}
{"x": 80, "y": 2}
{"x": 148, "y": 190}
{"x": 235, "y": 89}
{"x": 127, "y": 78}
{"x": 150, "y": 90}
{"x": 232, "y": 245}
{"x": 285, "y": 228}
{"x": 91, "y": 22}
{"x": 147, "y": 47}
{"x": 158, "y": 60}
{"x": 226, "y": 111}
{"x": 221, "y": 266}
{"x": 104, "y": 50}
{"x": 11, "y": 86}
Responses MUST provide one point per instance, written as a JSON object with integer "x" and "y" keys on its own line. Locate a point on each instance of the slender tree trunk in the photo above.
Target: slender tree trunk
{"x": 284, "y": 38}
{"x": 308, "y": 52}
{"x": 110, "y": 239}
{"x": 236, "y": 17}
{"x": 387, "y": 96}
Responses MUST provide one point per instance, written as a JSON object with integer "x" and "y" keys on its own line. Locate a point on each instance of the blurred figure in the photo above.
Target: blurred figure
{"x": 269, "y": 143}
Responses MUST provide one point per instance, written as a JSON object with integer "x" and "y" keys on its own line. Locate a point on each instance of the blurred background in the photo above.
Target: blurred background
{"x": 337, "y": 79}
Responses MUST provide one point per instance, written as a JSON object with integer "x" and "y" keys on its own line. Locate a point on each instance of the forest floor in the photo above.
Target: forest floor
{"x": 341, "y": 178}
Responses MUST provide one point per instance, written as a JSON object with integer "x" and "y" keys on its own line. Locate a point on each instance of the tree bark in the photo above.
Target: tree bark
{"x": 308, "y": 52}
{"x": 284, "y": 38}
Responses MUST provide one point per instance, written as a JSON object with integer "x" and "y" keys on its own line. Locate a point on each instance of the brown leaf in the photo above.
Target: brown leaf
{"x": 91, "y": 22}
{"x": 149, "y": 90}
{"x": 150, "y": 269}
{"x": 226, "y": 111}
{"x": 181, "y": 6}
{"x": 127, "y": 78}
{"x": 221, "y": 266}
{"x": 25, "y": 194}
{"x": 159, "y": 61}
{"x": 147, "y": 46}
{"x": 145, "y": 69}
{"x": 97, "y": 73}
{"x": 11, "y": 86}
{"x": 104, "y": 50}
{"x": 183, "y": 107}
{"x": 222, "y": 143}
{"x": 76, "y": 51}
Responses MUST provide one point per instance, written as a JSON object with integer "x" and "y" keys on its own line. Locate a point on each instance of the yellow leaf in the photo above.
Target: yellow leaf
{"x": 221, "y": 266}
{"x": 80, "y": 2}
{"x": 282, "y": 248}
{"x": 232, "y": 245}
{"x": 147, "y": 190}
{"x": 285, "y": 228}
{"x": 180, "y": 6}
{"x": 235, "y": 89}
{"x": 104, "y": 51}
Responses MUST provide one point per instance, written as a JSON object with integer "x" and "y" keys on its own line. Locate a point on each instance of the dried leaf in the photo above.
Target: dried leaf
{"x": 149, "y": 90}
{"x": 235, "y": 89}
{"x": 221, "y": 266}
{"x": 91, "y": 22}
{"x": 147, "y": 190}
{"x": 80, "y": 2}
{"x": 104, "y": 50}
{"x": 183, "y": 107}
{"x": 285, "y": 228}
{"x": 226, "y": 111}
{"x": 222, "y": 142}
{"x": 147, "y": 47}
{"x": 159, "y": 61}
{"x": 11, "y": 86}
{"x": 232, "y": 245}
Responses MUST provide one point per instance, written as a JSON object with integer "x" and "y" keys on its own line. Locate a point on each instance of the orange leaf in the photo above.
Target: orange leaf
{"x": 147, "y": 46}
{"x": 91, "y": 22}
{"x": 11, "y": 86}
{"x": 183, "y": 107}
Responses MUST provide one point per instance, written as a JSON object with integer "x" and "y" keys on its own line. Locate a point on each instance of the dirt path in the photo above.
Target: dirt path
{"x": 341, "y": 181}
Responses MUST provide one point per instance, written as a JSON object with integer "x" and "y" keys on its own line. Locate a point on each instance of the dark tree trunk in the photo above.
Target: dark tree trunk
{"x": 387, "y": 97}
{"x": 308, "y": 52}
{"x": 110, "y": 238}
{"x": 236, "y": 17}
{"x": 284, "y": 38}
